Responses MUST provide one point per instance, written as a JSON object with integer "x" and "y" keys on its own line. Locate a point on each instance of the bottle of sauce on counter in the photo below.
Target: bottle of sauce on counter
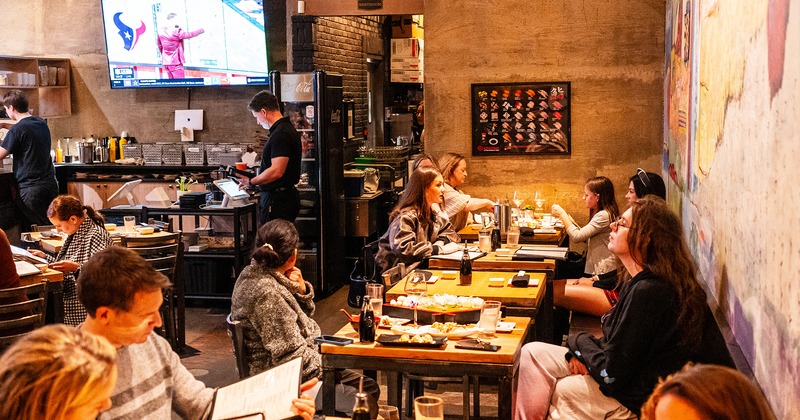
{"x": 361, "y": 408}
{"x": 465, "y": 270}
{"x": 366, "y": 322}
{"x": 59, "y": 153}
{"x": 112, "y": 149}
{"x": 123, "y": 140}
{"x": 496, "y": 238}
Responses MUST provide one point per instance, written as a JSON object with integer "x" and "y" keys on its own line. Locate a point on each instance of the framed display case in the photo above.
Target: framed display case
{"x": 521, "y": 118}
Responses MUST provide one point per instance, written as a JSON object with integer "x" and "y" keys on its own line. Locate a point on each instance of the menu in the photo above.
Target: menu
{"x": 521, "y": 118}
{"x": 267, "y": 395}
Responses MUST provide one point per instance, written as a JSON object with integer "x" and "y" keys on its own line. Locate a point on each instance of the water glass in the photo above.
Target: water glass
{"x": 512, "y": 236}
{"x": 130, "y": 224}
{"x": 428, "y": 408}
{"x": 375, "y": 293}
{"x": 490, "y": 316}
{"x": 485, "y": 240}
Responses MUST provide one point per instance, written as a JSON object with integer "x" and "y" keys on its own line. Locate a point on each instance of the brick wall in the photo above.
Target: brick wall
{"x": 334, "y": 44}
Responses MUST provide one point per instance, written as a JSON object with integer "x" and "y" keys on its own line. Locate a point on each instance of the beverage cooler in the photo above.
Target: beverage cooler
{"x": 313, "y": 103}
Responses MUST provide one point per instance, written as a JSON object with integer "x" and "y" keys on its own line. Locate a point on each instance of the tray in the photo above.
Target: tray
{"x": 466, "y": 316}
{"x": 394, "y": 340}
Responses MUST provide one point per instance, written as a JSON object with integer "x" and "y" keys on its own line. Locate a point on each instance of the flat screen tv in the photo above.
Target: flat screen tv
{"x": 184, "y": 43}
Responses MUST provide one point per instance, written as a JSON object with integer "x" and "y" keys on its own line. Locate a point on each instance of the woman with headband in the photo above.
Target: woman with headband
{"x": 644, "y": 183}
{"x": 274, "y": 304}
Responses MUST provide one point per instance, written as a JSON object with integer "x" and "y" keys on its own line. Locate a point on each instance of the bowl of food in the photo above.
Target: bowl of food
{"x": 355, "y": 320}
{"x": 42, "y": 267}
{"x": 145, "y": 230}
{"x": 110, "y": 226}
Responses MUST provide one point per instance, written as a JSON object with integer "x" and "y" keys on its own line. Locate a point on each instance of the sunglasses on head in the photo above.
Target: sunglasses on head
{"x": 643, "y": 177}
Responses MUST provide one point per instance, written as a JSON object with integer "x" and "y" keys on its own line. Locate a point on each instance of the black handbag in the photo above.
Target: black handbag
{"x": 572, "y": 267}
{"x": 364, "y": 271}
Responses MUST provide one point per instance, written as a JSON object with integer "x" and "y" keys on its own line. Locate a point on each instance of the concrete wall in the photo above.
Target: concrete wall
{"x": 612, "y": 52}
{"x": 74, "y": 30}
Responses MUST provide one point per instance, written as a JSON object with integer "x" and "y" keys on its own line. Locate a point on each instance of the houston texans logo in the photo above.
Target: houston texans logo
{"x": 129, "y": 37}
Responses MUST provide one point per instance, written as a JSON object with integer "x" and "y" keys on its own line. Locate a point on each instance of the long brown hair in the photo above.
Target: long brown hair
{"x": 65, "y": 206}
{"x": 448, "y": 164}
{"x": 716, "y": 392}
{"x": 413, "y": 197}
{"x": 606, "y": 200}
{"x": 655, "y": 240}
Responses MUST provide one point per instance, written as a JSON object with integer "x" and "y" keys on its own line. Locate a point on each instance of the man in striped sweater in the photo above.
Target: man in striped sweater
{"x": 122, "y": 294}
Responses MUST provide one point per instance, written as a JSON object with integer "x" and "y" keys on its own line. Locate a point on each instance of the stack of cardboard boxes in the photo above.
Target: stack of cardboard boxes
{"x": 407, "y": 65}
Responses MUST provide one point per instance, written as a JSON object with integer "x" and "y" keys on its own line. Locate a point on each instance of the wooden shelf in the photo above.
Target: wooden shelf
{"x": 50, "y": 101}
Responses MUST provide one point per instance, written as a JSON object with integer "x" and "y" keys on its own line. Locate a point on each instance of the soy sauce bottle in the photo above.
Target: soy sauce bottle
{"x": 366, "y": 322}
{"x": 361, "y": 409}
{"x": 465, "y": 270}
{"x": 496, "y": 238}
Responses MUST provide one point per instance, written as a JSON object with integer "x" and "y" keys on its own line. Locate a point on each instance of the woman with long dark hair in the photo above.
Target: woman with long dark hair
{"x": 86, "y": 235}
{"x": 661, "y": 322}
{"x": 275, "y": 303}
{"x": 416, "y": 231}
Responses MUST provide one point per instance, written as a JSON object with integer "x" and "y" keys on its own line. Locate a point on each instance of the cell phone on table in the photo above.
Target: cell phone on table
{"x": 476, "y": 345}
{"x": 332, "y": 339}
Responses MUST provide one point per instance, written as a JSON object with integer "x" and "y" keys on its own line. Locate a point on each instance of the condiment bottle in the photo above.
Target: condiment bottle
{"x": 496, "y": 238}
{"x": 366, "y": 322}
{"x": 465, "y": 270}
{"x": 59, "y": 153}
{"x": 122, "y": 142}
{"x": 361, "y": 408}
{"x": 112, "y": 149}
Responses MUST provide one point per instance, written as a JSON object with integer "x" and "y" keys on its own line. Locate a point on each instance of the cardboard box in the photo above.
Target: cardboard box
{"x": 401, "y": 26}
{"x": 406, "y": 64}
{"x": 406, "y": 48}
{"x": 407, "y": 76}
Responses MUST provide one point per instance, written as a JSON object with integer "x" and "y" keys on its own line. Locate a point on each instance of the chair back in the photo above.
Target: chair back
{"x": 165, "y": 253}
{"x": 22, "y": 309}
{"x": 41, "y": 228}
{"x": 237, "y": 336}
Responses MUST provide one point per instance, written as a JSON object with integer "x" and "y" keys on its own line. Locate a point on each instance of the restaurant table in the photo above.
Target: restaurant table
{"x": 494, "y": 261}
{"x": 560, "y": 238}
{"x": 532, "y": 302}
{"x": 440, "y": 361}
{"x": 55, "y": 293}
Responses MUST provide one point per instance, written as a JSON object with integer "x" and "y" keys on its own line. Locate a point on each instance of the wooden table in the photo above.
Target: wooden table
{"x": 494, "y": 262}
{"x": 446, "y": 361}
{"x": 470, "y": 233}
{"x": 55, "y": 292}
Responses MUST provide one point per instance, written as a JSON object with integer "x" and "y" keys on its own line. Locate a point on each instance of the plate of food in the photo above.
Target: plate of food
{"x": 389, "y": 322}
{"x": 439, "y": 329}
{"x": 411, "y": 340}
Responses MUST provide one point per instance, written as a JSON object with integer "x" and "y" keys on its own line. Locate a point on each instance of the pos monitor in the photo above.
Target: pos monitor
{"x": 234, "y": 197}
{"x": 126, "y": 190}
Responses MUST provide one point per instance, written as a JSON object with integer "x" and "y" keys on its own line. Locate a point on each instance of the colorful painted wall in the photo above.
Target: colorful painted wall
{"x": 731, "y": 144}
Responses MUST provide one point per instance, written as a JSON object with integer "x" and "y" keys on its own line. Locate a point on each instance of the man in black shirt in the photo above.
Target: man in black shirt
{"x": 29, "y": 141}
{"x": 280, "y": 161}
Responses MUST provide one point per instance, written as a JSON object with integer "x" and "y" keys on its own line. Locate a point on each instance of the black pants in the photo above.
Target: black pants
{"x": 36, "y": 199}
{"x": 282, "y": 203}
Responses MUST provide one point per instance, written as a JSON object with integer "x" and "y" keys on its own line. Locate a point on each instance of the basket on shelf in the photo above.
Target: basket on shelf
{"x": 212, "y": 152}
{"x": 195, "y": 154}
{"x": 151, "y": 152}
{"x": 171, "y": 154}
{"x": 132, "y": 151}
{"x": 387, "y": 152}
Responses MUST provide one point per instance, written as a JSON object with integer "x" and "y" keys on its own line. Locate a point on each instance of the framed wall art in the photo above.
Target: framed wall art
{"x": 521, "y": 119}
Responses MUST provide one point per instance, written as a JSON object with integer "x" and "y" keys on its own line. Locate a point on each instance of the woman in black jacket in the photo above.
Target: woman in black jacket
{"x": 660, "y": 323}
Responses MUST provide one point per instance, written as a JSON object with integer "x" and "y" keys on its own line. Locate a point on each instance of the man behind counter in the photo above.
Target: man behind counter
{"x": 29, "y": 141}
{"x": 280, "y": 161}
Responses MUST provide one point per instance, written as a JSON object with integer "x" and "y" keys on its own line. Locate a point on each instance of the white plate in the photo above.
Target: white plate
{"x": 505, "y": 327}
{"x": 394, "y": 321}
{"x": 426, "y": 329}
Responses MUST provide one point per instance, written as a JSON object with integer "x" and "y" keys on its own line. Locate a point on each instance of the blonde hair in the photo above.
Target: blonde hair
{"x": 53, "y": 370}
{"x": 448, "y": 164}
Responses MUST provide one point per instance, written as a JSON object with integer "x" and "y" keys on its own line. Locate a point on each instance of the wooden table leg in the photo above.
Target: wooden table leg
{"x": 504, "y": 398}
{"x": 329, "y": 391}
{"x": 394, "y": 389}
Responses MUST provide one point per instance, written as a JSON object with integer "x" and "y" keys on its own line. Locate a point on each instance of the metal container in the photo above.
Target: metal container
{"x": 502, "y": 215}
{"x": 102, "y": 154}
{"x": 85, "y": 153}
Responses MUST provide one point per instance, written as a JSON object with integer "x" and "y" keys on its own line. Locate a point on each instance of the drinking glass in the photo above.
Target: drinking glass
{"x": 428, "y": 408}
{"x": 388, "y": 412}
{"x": 416, "y": 285}
{"x": 512, "y": 235}
{"x": 485, "y": 240}
{"x": 375, "y": 293}
{"x": 130, "y": 223}
{"x": 490, "y": 315}
{"x": 538, "y": 198}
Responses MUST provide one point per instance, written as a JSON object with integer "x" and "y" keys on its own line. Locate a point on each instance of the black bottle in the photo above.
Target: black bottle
{"x": 366, "y": 322}
{"x": 465, "y": 271}
{"x": 496, "y": 239}
{"x": 361, "y": 408}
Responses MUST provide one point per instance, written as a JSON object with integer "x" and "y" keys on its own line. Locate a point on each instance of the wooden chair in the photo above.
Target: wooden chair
{"x": 165, "y": 253}
{"x": 26, "y": 313}
{"x": 237, "y": 336}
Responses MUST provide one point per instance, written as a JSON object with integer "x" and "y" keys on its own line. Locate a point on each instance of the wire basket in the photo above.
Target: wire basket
{"x": 151, "y": 153}
{"x": 132, "y": 151}
{"x": 194, "y": 154}
{"x": 171, "y": 154}
{"x": 212, "y": 152}
{"x": 387, "y": 152}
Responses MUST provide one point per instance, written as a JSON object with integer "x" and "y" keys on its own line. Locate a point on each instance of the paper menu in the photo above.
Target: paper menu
{"x": 21, "y": 254}
{"x": 267, "y": 395}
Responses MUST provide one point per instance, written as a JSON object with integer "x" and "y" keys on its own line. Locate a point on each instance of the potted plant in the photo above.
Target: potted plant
{"x": 183, "y": 183}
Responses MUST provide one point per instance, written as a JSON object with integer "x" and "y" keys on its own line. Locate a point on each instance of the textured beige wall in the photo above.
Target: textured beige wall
{"x": 74, "y": 29}
{"x": 612, "y": 52}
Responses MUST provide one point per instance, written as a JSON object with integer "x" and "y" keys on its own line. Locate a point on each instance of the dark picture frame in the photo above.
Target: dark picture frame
{"x": 521, "y": 118}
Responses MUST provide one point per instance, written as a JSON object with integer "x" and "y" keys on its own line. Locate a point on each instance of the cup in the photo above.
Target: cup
{"x": 512, "y": 236}
{"x": 485, "y": 240}
{"x": 389, "y": 412}
{"x": 375, "y": 293}
{"x": 130, "y": 223}
{"x": 428, "y": 408}
{"x": 490, "y": 316}
{"x": 241, "y": 166}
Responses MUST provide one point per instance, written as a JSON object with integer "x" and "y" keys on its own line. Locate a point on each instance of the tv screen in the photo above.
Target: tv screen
{"x": 182, "y": 43}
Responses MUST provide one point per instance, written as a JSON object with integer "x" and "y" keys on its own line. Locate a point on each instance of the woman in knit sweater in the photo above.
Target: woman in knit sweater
{"x": 275, "y": 303}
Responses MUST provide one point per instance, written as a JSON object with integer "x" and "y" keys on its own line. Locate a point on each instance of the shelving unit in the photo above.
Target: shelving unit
{"x": 44, "y": 101}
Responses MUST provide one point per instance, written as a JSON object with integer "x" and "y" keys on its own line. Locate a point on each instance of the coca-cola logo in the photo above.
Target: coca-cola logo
{"x": 303, "y": 87}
